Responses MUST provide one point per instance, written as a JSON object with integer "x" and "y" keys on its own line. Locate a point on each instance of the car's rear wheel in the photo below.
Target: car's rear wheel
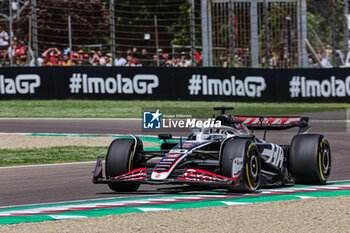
{"x": 119, "y": 161}
{"x": 241, "y": 161}
{"x": 310, "y": 159}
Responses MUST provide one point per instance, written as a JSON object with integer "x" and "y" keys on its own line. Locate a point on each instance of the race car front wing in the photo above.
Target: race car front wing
{"x": 183, "y": 176}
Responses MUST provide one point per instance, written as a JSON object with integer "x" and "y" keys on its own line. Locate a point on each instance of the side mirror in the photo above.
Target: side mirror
{"x": 165, "y": 136}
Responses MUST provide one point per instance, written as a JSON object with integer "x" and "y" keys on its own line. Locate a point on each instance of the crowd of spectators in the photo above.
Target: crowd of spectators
{"x": 326, "y": 59}
{"x": 18, "y": 54}
{"x": 133, "y": 58}
{"x": 54, "y": 57}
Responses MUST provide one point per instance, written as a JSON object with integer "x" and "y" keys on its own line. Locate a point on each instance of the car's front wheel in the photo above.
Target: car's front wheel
{"x": 240, "y": 161}
{"x": 119, "y": 161}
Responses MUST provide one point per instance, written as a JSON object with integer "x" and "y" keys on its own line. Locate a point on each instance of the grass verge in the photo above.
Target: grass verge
{"x": 132, "y": 109}
{"x": 11, "y": 157}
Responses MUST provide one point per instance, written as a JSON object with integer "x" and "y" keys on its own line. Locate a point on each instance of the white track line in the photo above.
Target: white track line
{"x": 75, "y": 119}
{"x": 83, "y": 200}
{"x": 329, "y": 121}
{"x": 131, "y": 196}
{"x": 338, "y": 181}
{"x": 48, "y": 165}
{"x": 76, "y": 134}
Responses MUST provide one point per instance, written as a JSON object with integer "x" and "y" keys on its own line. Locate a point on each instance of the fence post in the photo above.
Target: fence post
{"x": 267, "y": 31}
{"x": 156, "y": 35}
{"x": 232, "y": 34}
{"x": 254, "y": 33}
{"x": 302, "y": 30}
{"x": 305, "y": 60}
{"x": 11, "y": 31}
{"x": 70, "y": 39}
{"x": 193, "y": 33}
{"x": 35, "y": 33}
{"x": 210, "y": 34}
{"x": 333, "y": 30}
{"x": 112, "y": 29}
{"x": 205, "y": 37}
{"x": 346, "y": 28}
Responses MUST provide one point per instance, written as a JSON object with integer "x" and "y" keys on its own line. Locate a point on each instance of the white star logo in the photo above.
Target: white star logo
{"x": 156, "y": 116}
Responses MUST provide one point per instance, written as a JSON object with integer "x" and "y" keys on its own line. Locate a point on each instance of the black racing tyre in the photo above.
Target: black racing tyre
{"x": 310, "y": 159}
{"x": 246, "y": 149}
{"x": 119, "y": 161}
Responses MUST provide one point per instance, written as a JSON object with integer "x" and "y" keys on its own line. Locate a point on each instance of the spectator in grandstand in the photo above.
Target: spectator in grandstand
{"x": 131, "y": 61}
{"x": 162, "y": 57}
{"x": 101, "y": 58}
{"x": 227, "y": 61}
{"x": 238, "y": 61}
{"x": 185, "y": 61}
{"x": 338, "y": 58}
{"x": 85, "y": 60}
{"x": 135, "y": 53}
{"x": 51, "y": 56}
{"x": 46, "y": 61}
{"x": 245, "y": 58}
{"x": 169, "y": 63}
{"x": 74, "y": 58}
{"x": 95, "y": 61}
{"x": 328, "y": 50}
{"x": 176, "y": 61}
{"x": 324, "y": 61}
{"x": 273, "y": 60}
{"x": 153, "y": 63}
{"x": 263, "y": 61}
{"x": 79, "y": 57}
{"x": 66, "y": 61}
{"x": 166, "y": 60}
{"x": 108, "y": 60}
{"x": 3, "y": 57}
{"x": 11, "y": 51}
{"x": 145, "y": 58}
{"x": 21, "y": 53}
{"x": 129, "y": 52}
{"x": 4, "y": 38}
{"x": 286, "y": 59}
{"x": 119, "y": 60}
{"x": 92, "y": 55}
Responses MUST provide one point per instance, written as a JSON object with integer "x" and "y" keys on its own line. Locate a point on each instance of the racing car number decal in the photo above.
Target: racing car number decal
{"x": 273, "y": 156}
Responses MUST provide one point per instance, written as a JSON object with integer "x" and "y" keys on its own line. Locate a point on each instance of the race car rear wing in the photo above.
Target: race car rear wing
{"x": 273, "y": 122}
{"x": 267, "y": 122}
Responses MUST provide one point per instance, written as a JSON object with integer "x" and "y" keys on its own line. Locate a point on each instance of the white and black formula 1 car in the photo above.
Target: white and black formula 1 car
{"x": 228, "y": 157}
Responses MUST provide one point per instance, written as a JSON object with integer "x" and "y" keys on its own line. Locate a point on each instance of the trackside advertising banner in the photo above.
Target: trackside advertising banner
{"x": 210, "y": 84}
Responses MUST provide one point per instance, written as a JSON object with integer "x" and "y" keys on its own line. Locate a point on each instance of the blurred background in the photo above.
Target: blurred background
{"x": 175, "y": 33}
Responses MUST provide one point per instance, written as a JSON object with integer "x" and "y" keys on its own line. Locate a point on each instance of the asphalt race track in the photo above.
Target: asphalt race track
{"x": 68, "y": 182}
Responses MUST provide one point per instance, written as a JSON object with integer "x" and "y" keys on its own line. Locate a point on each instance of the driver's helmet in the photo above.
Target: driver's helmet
{"x": 229, "y": 120}
{"x": 225, "y": 119}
